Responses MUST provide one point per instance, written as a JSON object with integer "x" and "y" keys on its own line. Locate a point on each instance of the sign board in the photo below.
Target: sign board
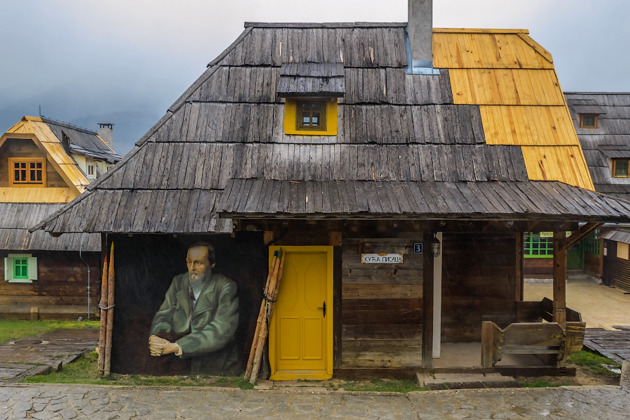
{"x": 382, "y": 258}
{"x": 418, "y": 248}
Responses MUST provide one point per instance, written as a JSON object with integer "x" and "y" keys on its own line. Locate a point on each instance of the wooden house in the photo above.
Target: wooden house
{"x": 43, "y": 165}
{"x": 602, "y": 121}
{"x": 398, "y": 168}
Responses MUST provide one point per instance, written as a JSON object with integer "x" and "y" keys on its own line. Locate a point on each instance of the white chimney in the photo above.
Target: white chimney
{"x": 420, "y": 31}
{"x": 106, "y": 132}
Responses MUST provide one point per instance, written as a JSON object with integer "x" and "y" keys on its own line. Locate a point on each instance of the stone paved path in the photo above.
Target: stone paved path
{"x": 34, "y": 355}
{"x": 38, "y": 401}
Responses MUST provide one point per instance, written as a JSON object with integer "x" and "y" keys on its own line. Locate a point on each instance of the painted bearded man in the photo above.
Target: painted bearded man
{"x": 199, "y": 316}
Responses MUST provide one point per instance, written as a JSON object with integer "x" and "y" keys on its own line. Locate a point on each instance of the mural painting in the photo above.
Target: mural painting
{"x": 199, "y": 316}
{"x": 188, "y": 306}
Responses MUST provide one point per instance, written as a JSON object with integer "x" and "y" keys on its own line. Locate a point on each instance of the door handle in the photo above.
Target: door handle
{"x": 323, "y": 308}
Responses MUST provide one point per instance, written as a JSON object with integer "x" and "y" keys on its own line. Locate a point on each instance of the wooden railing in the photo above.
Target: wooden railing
{"x": 534, "y": 333}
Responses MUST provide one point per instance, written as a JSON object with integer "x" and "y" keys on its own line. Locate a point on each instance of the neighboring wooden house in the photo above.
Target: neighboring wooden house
{"x": 602, "y": 121}
{"x": 44, "y": 276}
{"x": 399, "y": 185}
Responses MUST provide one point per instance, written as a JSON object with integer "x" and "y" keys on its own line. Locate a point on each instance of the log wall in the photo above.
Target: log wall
{"x": 381, "y": 306}
{"x": 478, "y": 283}
{"x": 537, "y": 267}
{"x": 616, "y": 270}
{"x": 60, "y": 292}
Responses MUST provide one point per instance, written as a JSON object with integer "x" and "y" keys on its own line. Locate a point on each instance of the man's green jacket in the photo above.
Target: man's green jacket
{"x": 207, "y": 330}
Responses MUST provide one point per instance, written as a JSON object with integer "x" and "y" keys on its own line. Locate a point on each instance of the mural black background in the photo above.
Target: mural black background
{"x": 145, "y": 266}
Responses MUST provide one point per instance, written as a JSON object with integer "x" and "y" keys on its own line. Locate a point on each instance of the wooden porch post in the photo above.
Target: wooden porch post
{"x": 560, "y": 279}
{"x": 427, "y": 302}
{"x": 518, "y": 289}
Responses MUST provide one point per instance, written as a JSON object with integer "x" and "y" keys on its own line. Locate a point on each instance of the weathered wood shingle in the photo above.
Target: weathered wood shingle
{"x": 413, "y": 145}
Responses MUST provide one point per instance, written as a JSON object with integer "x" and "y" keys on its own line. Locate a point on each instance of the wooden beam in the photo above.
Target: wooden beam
{"x": 427, "y": 297}
{"x": 579, "y": 234}
{"x": 518, "y": 275}
{"x": 559, "y": 280}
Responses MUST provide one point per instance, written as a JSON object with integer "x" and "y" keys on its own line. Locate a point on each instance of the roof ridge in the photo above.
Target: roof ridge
{"x": 324, "y": 24}
{"x": 68, "y": 125}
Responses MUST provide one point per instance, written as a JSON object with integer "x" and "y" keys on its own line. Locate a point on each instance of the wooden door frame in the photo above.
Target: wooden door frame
{"x": 329, "y": 251}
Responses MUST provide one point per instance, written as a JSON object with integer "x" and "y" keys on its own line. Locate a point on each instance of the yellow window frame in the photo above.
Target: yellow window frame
{"x": 292, "y": 123}
{"x": 590, "y": 127}
{"x": 27, "y": 161}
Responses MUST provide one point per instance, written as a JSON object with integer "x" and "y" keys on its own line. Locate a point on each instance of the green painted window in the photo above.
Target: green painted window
{"x": 592, "y": 243}
{"x": 20, "y": 268}
{"x": 538, "y": 245}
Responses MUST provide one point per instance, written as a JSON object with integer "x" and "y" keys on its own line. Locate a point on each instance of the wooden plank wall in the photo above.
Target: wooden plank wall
{"x": 538, "y": 267}
{"x": 616, "y": 270}
{"x": 25, "y": 148}
{"x": 593, "y": 264}
{"x": 60, "y": 291}
{"x": 478, "y": 283}
{"x": 381, "y": 306}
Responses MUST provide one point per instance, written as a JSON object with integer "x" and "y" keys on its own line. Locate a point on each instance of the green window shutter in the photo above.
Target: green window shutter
{"x": 8, "y": 268}
{"x": 32, "y": 268}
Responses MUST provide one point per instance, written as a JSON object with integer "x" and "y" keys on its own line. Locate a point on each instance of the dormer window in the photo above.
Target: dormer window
{"x": 588, "y": 121}
{"x": 311, "y": 114}
{"x": 311, "y": 91}
{"x": 620, "y": 168}
{"x": 27, "y": 172}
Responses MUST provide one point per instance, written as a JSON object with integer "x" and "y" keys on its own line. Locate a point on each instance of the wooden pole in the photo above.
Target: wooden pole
{"x": 103, "y": 321}
{"x": 261, "y": 316}
{"x": 559, "y": 279}
{"x": 271, "y": 298}
{"x": 427, "y": 301}
{"x": 110, "y": 313}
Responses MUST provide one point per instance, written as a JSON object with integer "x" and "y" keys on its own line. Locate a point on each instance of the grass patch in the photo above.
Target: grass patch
{"x": 15, "y": 330}
{"x": 594, "y": 363}
{"x": 540, "y": 383}
{"x": 85, "y": 371}
{"x": 382, "y": 385}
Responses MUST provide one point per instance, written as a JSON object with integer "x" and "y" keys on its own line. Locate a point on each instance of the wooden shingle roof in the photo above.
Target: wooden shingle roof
{"x": 82, "y": 141}
{"x": 17, "y": 218}
{"x": 495, "y": 117}
{"x": 610, "y": 140}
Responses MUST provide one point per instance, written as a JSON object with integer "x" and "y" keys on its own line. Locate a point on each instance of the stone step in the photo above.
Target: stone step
{"x": 436, "y": 381}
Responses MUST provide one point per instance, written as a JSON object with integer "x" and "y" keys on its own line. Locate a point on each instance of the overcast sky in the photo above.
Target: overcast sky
{"x": 127, "y": 61}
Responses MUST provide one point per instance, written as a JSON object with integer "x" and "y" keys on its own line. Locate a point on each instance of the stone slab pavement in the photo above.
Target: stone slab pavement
{"x": 46, "y": 401}
{"x": 37, "y": 355}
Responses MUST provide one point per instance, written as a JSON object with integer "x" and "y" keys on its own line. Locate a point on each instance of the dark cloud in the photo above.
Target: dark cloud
{"x": 126, "y": 62}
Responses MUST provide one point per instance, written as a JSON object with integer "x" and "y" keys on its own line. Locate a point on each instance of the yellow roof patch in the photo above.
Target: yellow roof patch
{"x": 513, "y": 80}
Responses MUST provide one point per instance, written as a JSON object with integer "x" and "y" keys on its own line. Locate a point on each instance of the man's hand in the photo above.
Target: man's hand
{"x": 159, "y": 346}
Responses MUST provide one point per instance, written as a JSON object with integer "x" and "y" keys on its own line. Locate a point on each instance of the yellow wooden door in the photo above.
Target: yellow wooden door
{"x": 301, "y": 330}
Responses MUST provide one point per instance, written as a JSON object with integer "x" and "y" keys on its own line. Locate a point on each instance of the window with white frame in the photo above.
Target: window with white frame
{"x": 20, "y": 268}
{"x": 90, "y": 169}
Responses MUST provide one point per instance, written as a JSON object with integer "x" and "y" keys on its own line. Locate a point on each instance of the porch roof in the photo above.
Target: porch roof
{"x": 17, "y": 218}
{"x": 531, "y": 200}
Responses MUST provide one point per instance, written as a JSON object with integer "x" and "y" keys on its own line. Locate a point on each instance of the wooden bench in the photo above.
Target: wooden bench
{"x": 535, "y": 338}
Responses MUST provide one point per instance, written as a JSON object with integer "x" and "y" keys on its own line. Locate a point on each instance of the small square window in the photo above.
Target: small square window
{"x": 620, "y": 168}
{"x": 588, "y": 121}
{"x": 311, "y": 114}
{"x": 90, "y": 170}
{"x": 20, "y": 268}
